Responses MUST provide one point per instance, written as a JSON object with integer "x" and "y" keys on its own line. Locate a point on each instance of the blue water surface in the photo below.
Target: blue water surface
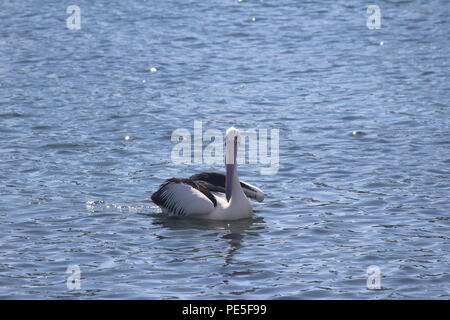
{"x": 85, "y": 138}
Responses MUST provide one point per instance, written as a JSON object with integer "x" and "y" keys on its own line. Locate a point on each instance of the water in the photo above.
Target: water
{"x": 85, "y": 137}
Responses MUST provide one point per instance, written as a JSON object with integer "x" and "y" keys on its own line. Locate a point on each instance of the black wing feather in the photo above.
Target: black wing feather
{"x": 161, "y": 200}
{"x": 216, "y": 179}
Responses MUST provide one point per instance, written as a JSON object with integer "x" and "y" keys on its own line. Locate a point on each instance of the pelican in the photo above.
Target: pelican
{"x": 210, "y": 195}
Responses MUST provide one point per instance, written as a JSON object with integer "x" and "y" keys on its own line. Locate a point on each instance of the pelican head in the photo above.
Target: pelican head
{"x": 232, "y": 140}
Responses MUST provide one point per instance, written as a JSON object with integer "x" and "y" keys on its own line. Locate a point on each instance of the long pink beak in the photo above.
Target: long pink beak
{"x": 229, "y": 180}
{"x": 230, "y": 168}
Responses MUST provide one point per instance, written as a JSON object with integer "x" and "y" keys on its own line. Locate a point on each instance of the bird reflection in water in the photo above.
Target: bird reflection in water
{"x": 232, "y": 232}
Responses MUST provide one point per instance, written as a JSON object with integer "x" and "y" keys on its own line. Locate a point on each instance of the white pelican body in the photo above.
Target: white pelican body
{"x": 210, "y": 195}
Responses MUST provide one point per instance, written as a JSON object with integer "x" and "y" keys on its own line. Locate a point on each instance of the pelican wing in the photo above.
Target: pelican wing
{"x": 184, "y": 197}
{"x": 215, "y": 182}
